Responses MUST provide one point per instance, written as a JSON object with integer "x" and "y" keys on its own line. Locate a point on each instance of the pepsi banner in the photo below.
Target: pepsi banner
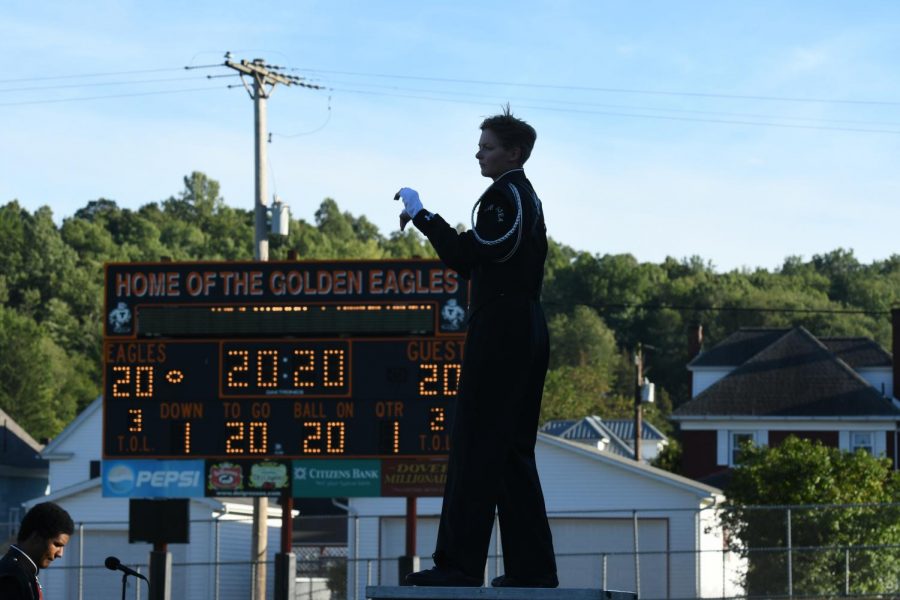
{"x": 153, "y": 478}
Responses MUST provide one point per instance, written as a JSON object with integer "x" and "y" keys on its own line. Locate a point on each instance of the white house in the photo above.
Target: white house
{"x": 596, "y": 502}
{"x": 220, "y": 531}
{"x": 762, "y": 385}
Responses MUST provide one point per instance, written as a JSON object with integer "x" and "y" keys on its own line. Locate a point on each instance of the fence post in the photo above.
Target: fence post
{"x": 603, "y": 572}
{"x": 216, "y": 567}
{"x": 637, "y": 558}
{"x": 847, "y": 571}
{"x": 356, "y": 556}
{"x": 81, "y": 561}
{"x": 790, "y": 566}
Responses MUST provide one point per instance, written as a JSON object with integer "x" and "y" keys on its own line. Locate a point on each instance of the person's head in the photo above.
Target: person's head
{"x": 44, "y": 532}
{"x": 506, "y": 143}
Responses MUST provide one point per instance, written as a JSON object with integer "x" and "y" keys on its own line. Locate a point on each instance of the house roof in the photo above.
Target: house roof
{"x": 737, "y": 348}
{"x": 795, "y": 375}
{"x": 624, "y": 428}
{"x": 53, "y": 447}
{"x": 557, "y": 426}
{"x": 592, "y": 429}
{"x": 859, "y": 352}
{"x": 18, "y": 450}
{"x": 643, "y": 469}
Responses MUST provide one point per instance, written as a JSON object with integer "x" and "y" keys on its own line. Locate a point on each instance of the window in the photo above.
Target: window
{"x": 862, "y": 440}
{"x": 737, "y": 439}
{"x": 95, "y": 469}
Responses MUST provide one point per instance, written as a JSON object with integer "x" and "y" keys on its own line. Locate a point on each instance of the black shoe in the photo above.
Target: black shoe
{"x": 442, "y": 577}
{"x": 548, "y": 581}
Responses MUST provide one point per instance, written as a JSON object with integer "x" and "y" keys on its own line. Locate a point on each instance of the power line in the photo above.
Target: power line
{"x": 98, "y": 84}
{"x": 749, "y": 309}
{"x": 106, "y": 74}
{"x": 626, "y": 107}
{"x": 86, "y": 98}
{"x": 613, "y": 90}
{"x": 635, "y": 116}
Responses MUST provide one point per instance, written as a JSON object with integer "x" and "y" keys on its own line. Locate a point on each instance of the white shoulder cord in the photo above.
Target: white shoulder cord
{"x": 517, "y": 224}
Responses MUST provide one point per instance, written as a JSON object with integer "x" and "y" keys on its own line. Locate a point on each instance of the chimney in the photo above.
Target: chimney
{"x": 695, "y": 344}
{"x": 695, "y": 340}
{"x": 895, "y": 350}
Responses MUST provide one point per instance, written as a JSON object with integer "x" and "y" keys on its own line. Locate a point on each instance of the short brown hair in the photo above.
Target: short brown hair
{"x": 512, "y": 132}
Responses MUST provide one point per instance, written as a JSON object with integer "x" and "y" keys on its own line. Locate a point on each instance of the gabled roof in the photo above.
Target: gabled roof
{"x": 859, "y": 352}
{"x": 643, "y": 469}
{"x": 737, "y": 348}
{"x": 557, "y": 426}
{"x": 592, "y": 429}
{"x": 624, "y": 428}
{"x": 83, "y": 416}
{"x": 18, "y": 450}
{"x": 795, "y": 375}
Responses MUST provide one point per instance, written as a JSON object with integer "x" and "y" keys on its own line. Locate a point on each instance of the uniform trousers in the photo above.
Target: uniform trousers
{"x": 492, "y": 463}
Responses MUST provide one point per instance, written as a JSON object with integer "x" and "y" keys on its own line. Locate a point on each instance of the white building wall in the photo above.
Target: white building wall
{"x": 84, "y": 443}
{"x": 705, "y": 377}
{"x": 591, "y": 504}
{"x": 881, "y": 379}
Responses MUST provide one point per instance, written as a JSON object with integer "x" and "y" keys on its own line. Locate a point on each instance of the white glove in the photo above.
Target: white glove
{"x": 411, "y": 203}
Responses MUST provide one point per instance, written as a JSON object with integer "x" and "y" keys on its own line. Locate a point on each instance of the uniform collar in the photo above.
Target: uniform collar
{"x": 22, "y": 552}
{"x": 519, "y": 170}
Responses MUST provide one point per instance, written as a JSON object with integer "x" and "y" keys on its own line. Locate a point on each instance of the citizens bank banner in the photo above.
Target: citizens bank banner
{"x": 336, "y": 478}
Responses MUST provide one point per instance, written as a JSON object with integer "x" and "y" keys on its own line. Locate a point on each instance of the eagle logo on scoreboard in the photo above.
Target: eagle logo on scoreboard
{"x": 120, "y": 318}
{"x": 226, "y": 476}
{"x": 452, "y": 315}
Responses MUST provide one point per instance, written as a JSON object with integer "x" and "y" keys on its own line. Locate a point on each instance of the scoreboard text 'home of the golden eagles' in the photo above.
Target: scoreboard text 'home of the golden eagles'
{"x": 281, "y": 359}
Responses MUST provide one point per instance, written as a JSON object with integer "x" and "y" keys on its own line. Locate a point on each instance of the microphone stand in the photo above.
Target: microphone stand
{"x": 125, "y": 584}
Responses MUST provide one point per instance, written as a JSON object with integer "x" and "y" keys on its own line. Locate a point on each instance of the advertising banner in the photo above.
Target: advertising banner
{"x": 152, "y": 478}
{"x": 336, "y": 478}
{"x": 414, "y": 477}
{"x": 240, "y": 478}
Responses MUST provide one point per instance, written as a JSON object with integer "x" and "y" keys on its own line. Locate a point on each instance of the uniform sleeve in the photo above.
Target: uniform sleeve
{"x": 11, "y": 589}
{"x": 497, "y": 233}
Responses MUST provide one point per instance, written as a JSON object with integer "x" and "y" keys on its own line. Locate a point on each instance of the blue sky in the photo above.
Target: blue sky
{"x": 741, "y": 132}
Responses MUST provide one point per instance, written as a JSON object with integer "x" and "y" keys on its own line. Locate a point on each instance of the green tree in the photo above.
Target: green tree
{"x": 40, "y": 384}
{"x": 800, "y": 472}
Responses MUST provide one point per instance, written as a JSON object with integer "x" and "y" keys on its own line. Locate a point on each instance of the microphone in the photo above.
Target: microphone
{"x": 114, "y": 564}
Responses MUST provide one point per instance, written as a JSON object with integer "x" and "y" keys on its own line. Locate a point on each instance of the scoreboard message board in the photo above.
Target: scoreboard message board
{"x": 253, "y": 360}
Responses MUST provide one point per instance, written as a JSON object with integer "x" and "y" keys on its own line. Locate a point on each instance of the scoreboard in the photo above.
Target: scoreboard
{"x": 239, "y": 360}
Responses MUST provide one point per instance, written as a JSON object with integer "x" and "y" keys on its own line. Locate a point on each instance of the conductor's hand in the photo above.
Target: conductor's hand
{"x": 411, "y": 203}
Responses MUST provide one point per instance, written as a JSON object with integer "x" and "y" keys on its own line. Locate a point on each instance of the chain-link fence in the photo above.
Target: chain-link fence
{"x": 809, "y": 551}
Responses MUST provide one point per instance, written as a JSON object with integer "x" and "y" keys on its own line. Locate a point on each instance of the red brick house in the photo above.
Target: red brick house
{"x": 766, "y": 384}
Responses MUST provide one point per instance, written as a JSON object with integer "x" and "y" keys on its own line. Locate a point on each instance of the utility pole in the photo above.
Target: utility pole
{"x": 264, "y": 79}
{"x": 638, "y": 413}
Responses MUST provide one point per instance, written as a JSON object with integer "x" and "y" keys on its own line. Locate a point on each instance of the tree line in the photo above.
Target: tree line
{"x": 599, "y": 307}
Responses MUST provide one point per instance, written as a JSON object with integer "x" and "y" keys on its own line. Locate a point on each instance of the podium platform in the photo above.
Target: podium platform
{"x": 488, "y": 593}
